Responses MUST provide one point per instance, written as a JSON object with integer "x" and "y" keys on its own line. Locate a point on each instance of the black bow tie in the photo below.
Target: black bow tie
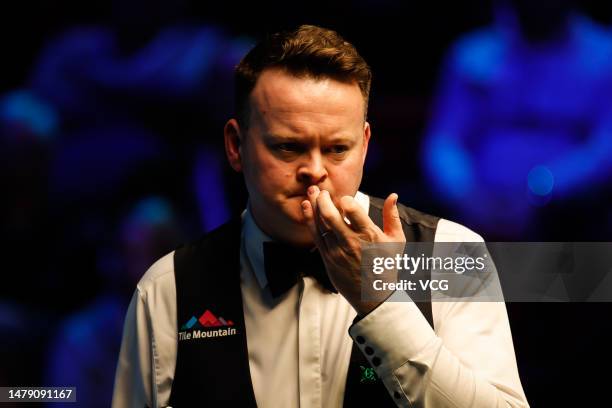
{"x": 285, "y": 264}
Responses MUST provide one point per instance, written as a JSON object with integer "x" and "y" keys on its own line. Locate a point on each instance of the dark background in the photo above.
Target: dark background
{"x": 69, "y": 249}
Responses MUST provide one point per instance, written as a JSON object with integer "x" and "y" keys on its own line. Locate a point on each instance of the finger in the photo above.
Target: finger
{"x": 330, "y": 216}
{"x": 313, "y": 194}
{"x": 359, "y": 219}
{"x": 309, "y": 216}
{"x": 392, "y": 224}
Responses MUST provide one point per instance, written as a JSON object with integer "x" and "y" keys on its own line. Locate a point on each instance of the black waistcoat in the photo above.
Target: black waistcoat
{"x": 214, "y": 371}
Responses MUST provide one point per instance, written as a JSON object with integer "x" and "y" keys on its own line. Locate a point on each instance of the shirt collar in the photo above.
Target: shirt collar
{"x": 254, "y": 238}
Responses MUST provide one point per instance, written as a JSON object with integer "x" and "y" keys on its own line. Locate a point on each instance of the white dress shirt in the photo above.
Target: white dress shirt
{"x": 299, "y": 346}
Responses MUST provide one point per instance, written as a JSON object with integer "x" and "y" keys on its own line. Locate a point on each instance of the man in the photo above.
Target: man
{"x": 239, "y": 319}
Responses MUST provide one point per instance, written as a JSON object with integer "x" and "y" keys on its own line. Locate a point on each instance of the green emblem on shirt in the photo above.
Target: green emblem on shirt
{"x": 368, "y": 375}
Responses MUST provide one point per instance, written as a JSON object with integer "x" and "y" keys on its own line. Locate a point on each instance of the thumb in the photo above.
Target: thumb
{"x": 392, "y": 224}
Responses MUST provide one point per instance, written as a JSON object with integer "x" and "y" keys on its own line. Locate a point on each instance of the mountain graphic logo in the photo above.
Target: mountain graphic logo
{"x": 208, "y": 319}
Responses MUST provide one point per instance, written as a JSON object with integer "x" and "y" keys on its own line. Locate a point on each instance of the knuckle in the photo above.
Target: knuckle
{"x": 348, "y": 206}
{"x": 371, "y": 235}
{"x": 354, "y": 247}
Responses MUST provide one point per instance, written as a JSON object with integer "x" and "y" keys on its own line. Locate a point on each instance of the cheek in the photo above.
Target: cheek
{"x": 267, "y": 174}
{"x": 347, "y": 176}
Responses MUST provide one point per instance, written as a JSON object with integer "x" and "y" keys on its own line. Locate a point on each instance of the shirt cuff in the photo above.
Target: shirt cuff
{"x": 391, "y": 335}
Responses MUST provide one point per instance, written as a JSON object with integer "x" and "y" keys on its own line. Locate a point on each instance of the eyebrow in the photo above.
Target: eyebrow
{"x": 299, "y": 139}
{"x": 284, "y": 138}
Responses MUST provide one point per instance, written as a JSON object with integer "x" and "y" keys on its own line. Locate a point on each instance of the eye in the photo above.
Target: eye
{"x": 338, "y": 149}
{"x": 287, "y": 147}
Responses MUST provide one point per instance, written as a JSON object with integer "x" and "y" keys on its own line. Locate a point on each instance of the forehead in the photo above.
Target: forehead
{"x": 282, "y": 100}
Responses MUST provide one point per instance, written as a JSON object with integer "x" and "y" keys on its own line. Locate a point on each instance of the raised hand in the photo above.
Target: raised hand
{"x": 339, "y": 241}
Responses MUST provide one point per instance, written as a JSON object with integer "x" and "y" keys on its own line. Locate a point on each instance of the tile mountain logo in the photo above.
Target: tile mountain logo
{"x": 197, "y": 328}
{"x": 208, "y": 319}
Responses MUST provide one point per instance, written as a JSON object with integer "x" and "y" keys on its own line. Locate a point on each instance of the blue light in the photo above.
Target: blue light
{"x": 24, "y": 107}
{"x": 540, "y": 180}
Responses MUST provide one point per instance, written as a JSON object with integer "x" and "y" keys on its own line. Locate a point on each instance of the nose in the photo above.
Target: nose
{"x": 312, "y": 170}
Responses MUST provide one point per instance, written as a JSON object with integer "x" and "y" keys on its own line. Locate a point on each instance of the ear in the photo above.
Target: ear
{"x": 367, "y": 132}
{"x": 233, "y": 142}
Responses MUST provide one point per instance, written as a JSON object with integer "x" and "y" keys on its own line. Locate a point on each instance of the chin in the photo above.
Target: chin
{"x": 292, "y": 210}
{"x": 296, "y": 231}
{"x": 297, "y": 222}
{"x": 300, "y": 237}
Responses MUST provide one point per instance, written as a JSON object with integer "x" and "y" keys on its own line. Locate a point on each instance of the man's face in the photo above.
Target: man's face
{"x": 302, "y": 132}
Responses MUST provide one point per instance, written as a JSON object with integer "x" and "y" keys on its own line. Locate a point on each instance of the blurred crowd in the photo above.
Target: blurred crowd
{"x": 111, "y": 156}
{"x": 520, "y": 137}
{"x": 108, "y": 166}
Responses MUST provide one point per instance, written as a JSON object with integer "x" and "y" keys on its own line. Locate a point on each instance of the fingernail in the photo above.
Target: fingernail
{"x": 311, "y": 190}
{"x": 395, "y": 197}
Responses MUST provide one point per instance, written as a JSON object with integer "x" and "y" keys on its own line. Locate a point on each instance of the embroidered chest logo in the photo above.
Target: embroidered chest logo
{"x": 207, "y": 325}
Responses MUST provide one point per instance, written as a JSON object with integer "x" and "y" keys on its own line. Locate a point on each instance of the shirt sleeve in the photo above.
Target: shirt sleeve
{"x": 466, "y": 360}
{"x": 469, "y": 364}
{"x": 147, "y": 357}
{"x": 133, "y": 385}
